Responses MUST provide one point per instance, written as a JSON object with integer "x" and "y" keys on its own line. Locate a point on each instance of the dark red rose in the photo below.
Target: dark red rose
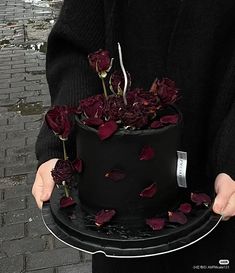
{"x": 113, "y": 107}
{"x": 77, "y": 165}
{"x": 104, "y": 216}
{"x": 100, "y": 60}
{"x": 166, "y": 90}
{"x": 107, "y": 129}
{"x": 146, "y": 153}
{"x": 185, "y": 208}
{"x": 200, "y": 198}
{"x": 66, "y": 202}
{"x": 177, "y": 217}
{"x": 116, "y": 82}
{"x": 115, "y": 175}
{"x": 150, "y": 191}
{"x": 156, "y": 223}
{"x": 134, "y": 119}
{"x": 92, "y": 107}
{"x": 62, "y": 172}
{"x": 58, "y": 120}
{"x": 93, "y": 121}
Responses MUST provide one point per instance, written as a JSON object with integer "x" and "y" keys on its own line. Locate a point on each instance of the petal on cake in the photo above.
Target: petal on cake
{"x": 156, "y": 223}
{"x": 169, "y": 119}
{"x": 67, "y": 202}
{"x": 156, "y": 124}
{"x": 185, "y": 208}
{"x": 200, "y": 198}
{"x": 149, "y": 191}
{"x": 104, "y": 216}
{"x": 115, "y": 175}
{"x": 107, "y": 129}
{"x": 177, "y": 217}
{"x": 147, "y": 153}
{"x": 93, "y": 121}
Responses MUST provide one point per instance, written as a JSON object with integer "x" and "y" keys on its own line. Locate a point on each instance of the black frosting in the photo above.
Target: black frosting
{"x": 121, "y": 151}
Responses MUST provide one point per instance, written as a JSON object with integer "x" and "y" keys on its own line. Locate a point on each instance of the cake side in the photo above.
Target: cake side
{"x": 121, "y": 153}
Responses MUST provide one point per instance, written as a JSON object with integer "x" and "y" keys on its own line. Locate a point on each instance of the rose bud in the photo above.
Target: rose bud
{"x": 62, "y": 172}
{"x": 58, "y": 121}
{"x": 116, "y": 82}
{"x": 92, "y": 107}
{"x": 101, "y": 62}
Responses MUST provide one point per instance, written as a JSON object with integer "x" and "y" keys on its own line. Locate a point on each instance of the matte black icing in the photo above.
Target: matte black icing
{"x": 121, "y": 151}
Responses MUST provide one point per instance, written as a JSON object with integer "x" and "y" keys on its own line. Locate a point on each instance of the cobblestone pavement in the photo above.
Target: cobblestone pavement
{"x": 25, "y": 244}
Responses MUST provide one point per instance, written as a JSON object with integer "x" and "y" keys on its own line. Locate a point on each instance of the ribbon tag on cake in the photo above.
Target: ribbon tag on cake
{"x": 181, "y": 169}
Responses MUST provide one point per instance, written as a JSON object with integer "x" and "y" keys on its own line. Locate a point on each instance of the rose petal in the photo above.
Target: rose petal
{"x": 107, "y": 129}
{"x": 104, "y": 216}
{"x": 77, "y": 165}
{"x": 185, "y": 208}
{"x": 200, "y": 198}
{"x": 115, "y": 175}
{"x": 169, "y": 119}
{"x": 156, "y": 223}
{"x": 93, "y": 121}
{"x": 177, "y": 217}
{"x": 147, "y": 153}
{"x": 66, "y": 202}
{"x": 156, "y": 124}
{"x": 149, "y": 191}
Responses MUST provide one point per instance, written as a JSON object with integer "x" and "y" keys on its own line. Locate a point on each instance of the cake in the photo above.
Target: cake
{"x": 128, "y": 145}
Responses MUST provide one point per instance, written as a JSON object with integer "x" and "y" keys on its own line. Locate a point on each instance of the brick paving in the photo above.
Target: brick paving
{"x": 26, "y": 246}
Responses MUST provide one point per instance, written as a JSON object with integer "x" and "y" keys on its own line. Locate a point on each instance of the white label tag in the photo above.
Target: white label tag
{"x": 181, "y": 169}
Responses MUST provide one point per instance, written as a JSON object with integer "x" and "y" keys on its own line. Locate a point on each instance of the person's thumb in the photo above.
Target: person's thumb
{"x": 223, "y": 191}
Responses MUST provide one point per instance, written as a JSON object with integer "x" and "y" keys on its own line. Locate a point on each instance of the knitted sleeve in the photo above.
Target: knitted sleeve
{"x": 78, "y": 31}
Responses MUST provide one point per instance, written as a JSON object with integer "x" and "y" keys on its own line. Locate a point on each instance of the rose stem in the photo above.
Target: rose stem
{"x": 124, "y": 73}
{"x": 104, "y": 87}
{"x": 64, "y": 150}
{"x": 66, "y": 190}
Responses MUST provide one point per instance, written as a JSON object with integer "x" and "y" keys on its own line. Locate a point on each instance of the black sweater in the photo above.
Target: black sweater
{"x": 191, "y": 42}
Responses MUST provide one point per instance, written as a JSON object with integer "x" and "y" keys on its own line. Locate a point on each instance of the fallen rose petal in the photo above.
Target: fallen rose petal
{"x": 93, "y": 121}
{"x": 185, "y": 208}
{"x": 156, "y": 124}
{"x": 77, "y": 165}
{"x": 177, "y": 217}
{"x": 104, "y": 216}
{"x": 66, "y": 202}
{"x": 200, "y": 198}
{"x": 115, "y": 175}
{"x": 147, "y": 153}
{"x": 107, "y": 129}
{"x": 156, "y": 223}
{"x": 169, "y": 119}
{"x": 149, "y": 191}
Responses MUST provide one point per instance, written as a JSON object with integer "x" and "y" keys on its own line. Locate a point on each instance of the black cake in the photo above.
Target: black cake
{"x": 122, "y": 152}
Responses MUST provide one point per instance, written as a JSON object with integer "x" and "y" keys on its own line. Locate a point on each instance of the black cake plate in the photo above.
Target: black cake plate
{"x": 77, "y": 229}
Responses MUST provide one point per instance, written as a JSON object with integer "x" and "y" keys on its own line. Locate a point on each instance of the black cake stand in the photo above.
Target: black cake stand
{"x": 76, "y": 229}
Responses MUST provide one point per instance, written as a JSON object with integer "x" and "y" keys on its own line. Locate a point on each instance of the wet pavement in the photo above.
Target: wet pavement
{"x": 25, "y": 244}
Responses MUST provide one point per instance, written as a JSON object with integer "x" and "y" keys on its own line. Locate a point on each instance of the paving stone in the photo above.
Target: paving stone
{"x": 11, "y": 232}
{"x": 23, "y": 246}
{"x": 9, "y": 182}
{"x": 36, "y": 228}
{"x": 52, "y": 258}
{"x": 17, "y": 191}
{"x": 12, "y": 204}
{"x": 22, "y": 216}
{"x": 76, "y": 268}
{"x": 20, "y": 169}
{"x": 13, "y": 264}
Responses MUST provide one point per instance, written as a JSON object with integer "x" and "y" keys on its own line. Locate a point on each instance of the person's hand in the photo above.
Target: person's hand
{"x": 224, "y": 203}
{"x": 44, "y": 184}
